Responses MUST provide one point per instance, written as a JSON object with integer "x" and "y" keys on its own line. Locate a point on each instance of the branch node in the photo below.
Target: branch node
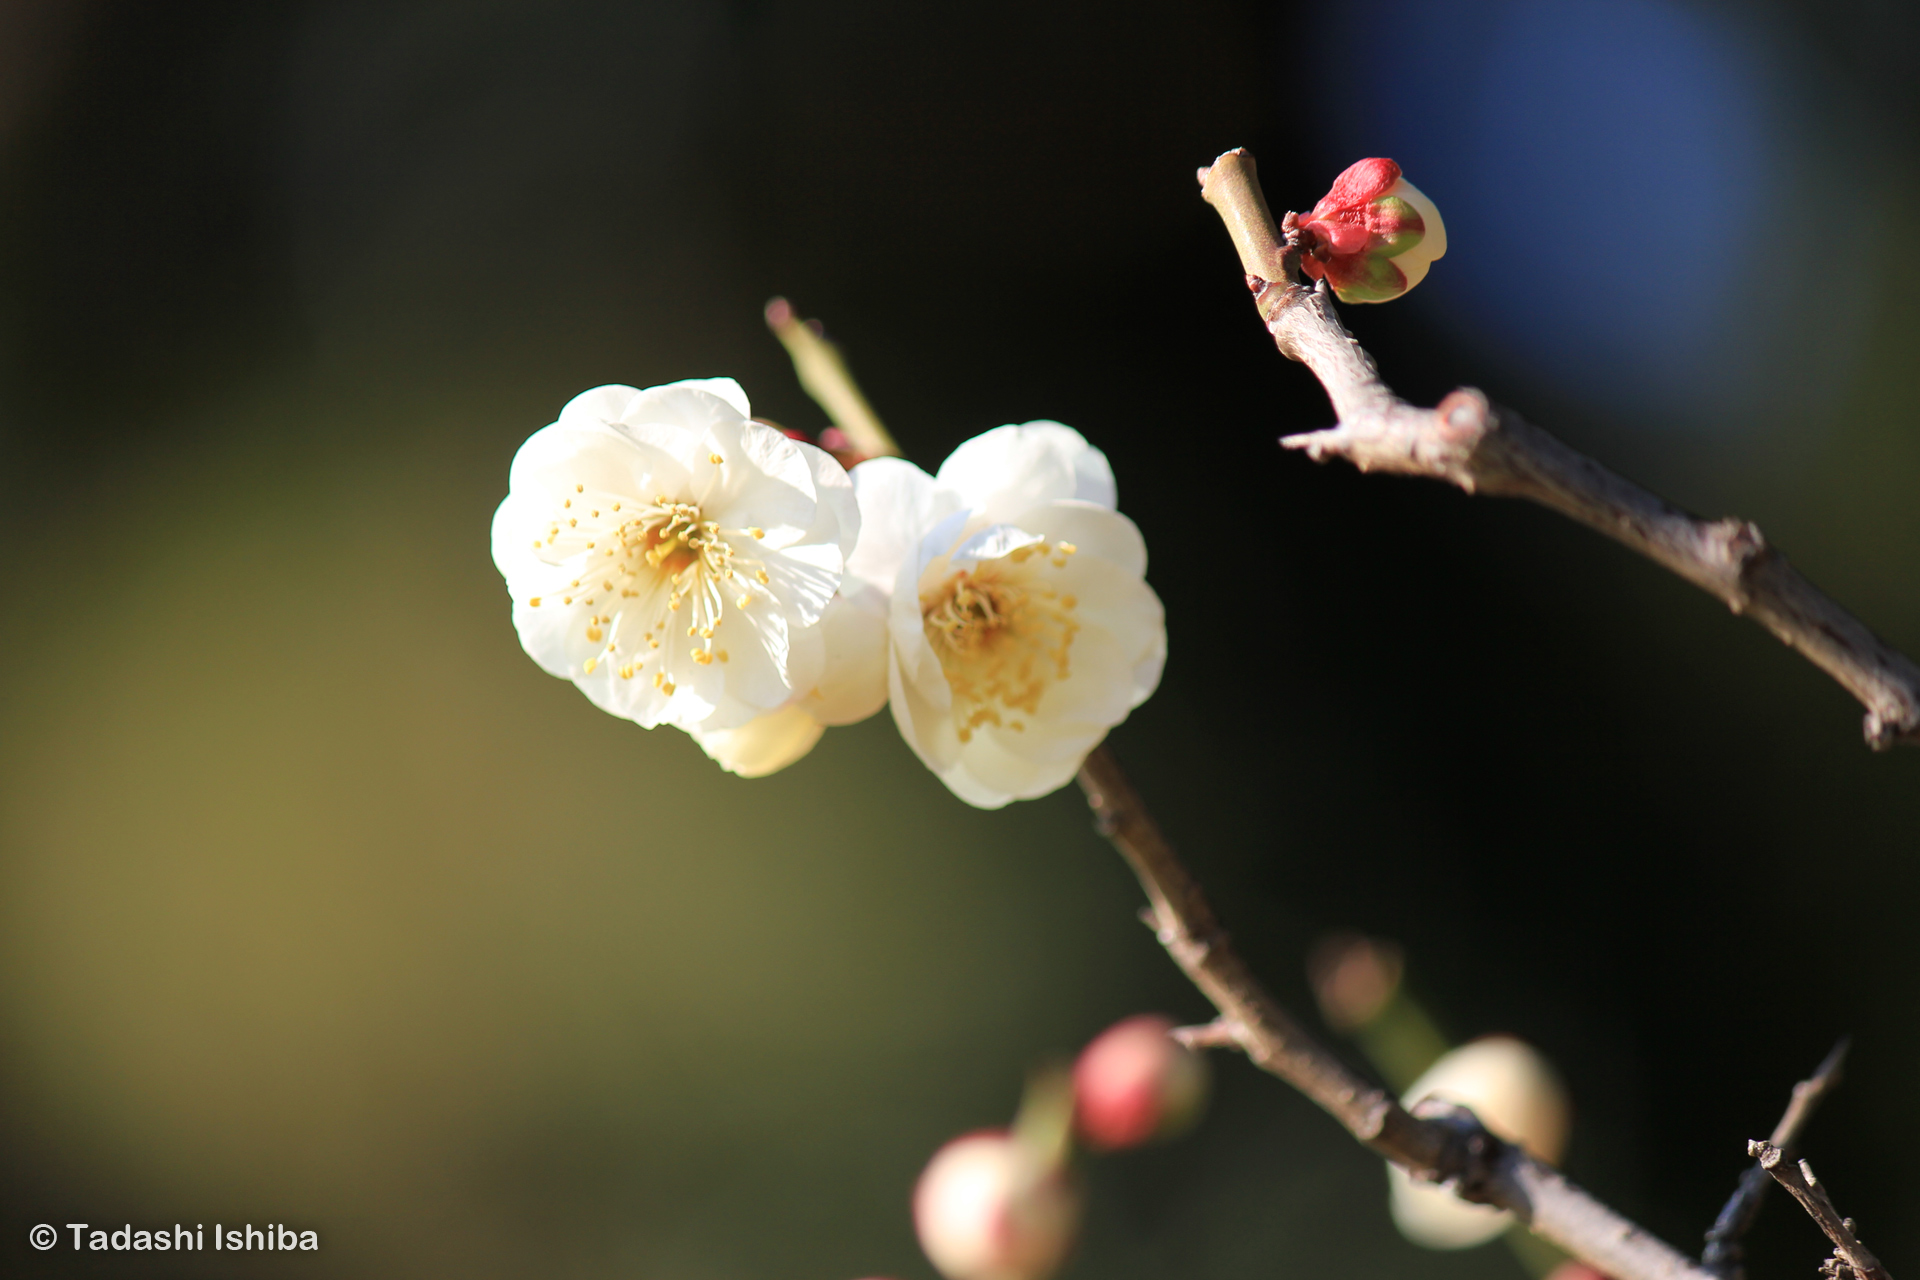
{"x": 1468, "y": 1162}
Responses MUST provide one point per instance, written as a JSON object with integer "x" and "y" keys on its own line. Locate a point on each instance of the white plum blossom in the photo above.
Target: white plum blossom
{"x": 1020, "y": 626}
{"x": 673, "y": 558}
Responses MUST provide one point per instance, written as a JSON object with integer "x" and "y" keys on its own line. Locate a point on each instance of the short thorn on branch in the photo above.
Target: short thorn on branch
{"x": 1851, "y": 1260}
{"x": 1218, "y": 1034}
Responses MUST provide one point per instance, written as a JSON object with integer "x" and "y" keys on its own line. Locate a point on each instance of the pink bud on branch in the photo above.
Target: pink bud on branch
{"x": 1134, "y": 1083}
{"x": 1373, "y": 236}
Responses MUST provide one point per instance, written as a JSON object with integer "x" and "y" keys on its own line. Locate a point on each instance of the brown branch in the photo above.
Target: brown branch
{"x": 1441, "y": 1143}
{"x": 1850, "y": 1255}
{"x": 1723, "y": 1240}
{"x": 1468, "y": 442}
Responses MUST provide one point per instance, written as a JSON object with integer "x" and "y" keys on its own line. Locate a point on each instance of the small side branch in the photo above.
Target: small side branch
{"x": 1443, "y": 1144}
{"x": 1851, "y": 1259}
{"x": 1468, "y": 442}
{"x": 1723, "y": 1240}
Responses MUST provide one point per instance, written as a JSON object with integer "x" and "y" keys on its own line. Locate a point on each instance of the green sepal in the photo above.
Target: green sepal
{"x": 1397, "y": 223}
{"x": 1373, "y": 278}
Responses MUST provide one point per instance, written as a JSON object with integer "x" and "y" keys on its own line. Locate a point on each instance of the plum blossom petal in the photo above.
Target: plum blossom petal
{"x": 847, "y": 654}
{"x": 898, "y": 503}
{"x": 663, "y": 552}
{"x": 1005, "y": 470}
{"x": 764, "y": 745}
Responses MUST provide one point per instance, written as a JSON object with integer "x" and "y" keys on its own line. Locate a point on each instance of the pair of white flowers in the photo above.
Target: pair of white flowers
{"x": 685, "y": 565}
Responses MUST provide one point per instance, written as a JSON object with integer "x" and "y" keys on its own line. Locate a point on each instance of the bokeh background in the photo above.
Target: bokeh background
{"x": 320, "y": 904}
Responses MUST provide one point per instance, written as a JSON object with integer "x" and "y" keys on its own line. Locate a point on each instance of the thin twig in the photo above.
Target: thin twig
{"x": 824, "y": 376}
{"x": 1723, "y": 1252}
{"x": 1468, "y": 442}
{"x": 1443, "y": 1144}
{"x": 1812, "y": 1195}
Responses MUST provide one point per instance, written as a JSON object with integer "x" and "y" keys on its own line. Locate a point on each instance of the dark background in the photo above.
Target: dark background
{"x": 320, "y": 904}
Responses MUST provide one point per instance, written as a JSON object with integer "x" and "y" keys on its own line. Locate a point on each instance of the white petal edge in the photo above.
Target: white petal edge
{"x": 1002, "y": 472}
{"x": 898, "y": 503}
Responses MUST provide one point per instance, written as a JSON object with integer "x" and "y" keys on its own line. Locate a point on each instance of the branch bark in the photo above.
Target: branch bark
{"x": 1468, "y": 442}
{"x": 1723, "y": 1252}
{"x": 1442, "y": 1143}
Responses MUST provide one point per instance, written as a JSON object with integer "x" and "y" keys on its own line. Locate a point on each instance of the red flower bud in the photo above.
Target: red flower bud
{"x": 1135, "y": 1082}
{"x": 1374, "y": 235}
{"x": 989, "y": 1207}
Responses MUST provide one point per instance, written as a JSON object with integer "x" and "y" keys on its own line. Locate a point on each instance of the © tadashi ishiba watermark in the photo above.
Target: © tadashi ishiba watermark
{"x": 241, "y": 1239}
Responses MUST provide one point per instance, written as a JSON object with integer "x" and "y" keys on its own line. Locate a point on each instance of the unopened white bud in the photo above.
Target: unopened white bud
{"x": 1518, "y": 1095}
{"x": 989, "y": 1208}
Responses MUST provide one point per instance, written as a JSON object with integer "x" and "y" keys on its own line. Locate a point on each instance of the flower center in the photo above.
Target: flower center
{"x": 1002, "y": 635}
{"x": 631, "y": 554}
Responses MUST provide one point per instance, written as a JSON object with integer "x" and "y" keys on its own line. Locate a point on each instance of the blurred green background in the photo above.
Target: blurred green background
{"x": 320, "y": 904}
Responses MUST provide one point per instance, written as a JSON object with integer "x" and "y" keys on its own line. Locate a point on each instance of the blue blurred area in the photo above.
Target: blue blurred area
{"x": 1608, "y": 170}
